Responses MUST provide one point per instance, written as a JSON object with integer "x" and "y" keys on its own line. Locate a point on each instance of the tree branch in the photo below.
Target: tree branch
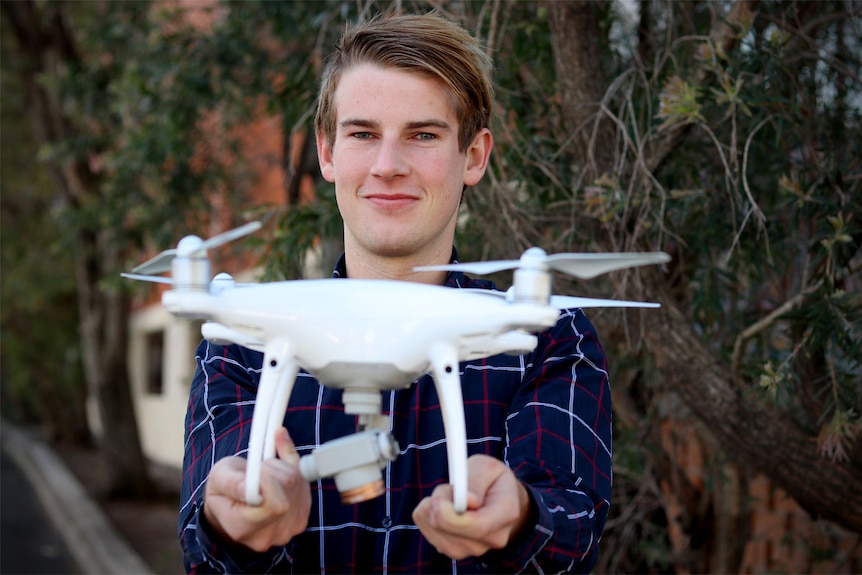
{"x": 766, "y": 322}
{"x": 769, "y": 440}
{"x": 723, "y": 37}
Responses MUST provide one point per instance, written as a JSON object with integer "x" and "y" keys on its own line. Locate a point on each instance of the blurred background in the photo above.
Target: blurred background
{"x": 726, "y": 133}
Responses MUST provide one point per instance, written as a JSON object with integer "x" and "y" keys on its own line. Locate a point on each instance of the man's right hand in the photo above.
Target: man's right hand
{"x": 282, "y": 515}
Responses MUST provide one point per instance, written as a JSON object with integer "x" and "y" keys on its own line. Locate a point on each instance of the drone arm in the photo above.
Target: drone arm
{"x": 513, "y": 342}
{"x": 444, "y": 365}
{"x": 220, "y": 334}
{"x": 276, "y": 382}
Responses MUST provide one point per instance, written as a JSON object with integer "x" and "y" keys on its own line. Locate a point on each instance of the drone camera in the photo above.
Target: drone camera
{"x": 354, "y": 461}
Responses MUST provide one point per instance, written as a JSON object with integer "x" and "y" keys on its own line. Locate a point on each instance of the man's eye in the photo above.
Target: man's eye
{"x": 361, "y": 135}
{"x": 426, "y": 137}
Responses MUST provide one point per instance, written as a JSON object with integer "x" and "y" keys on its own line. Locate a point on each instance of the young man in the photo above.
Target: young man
{"x": 402, "y": 131}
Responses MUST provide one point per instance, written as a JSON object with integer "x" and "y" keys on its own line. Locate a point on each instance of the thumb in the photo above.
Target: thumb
{"x": 284, "y": 447}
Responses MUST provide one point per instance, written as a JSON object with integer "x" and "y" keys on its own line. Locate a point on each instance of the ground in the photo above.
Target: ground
{"x": 150, "y": 526}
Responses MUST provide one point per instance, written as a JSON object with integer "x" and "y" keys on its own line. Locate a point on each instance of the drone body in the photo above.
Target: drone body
{"x": 364, "y": 336}
{"x": 338, "y": 327}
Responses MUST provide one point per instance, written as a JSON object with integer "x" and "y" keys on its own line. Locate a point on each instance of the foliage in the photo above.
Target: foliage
{"x": 755, "y": 241}
{"x": 761, "y": 203}
{"x": 41, "y": 365}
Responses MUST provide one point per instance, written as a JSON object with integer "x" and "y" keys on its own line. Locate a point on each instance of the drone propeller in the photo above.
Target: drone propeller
{"x": 580, "y": 265}
{"x": 160, "y": 263}
{"x": 190, "y": 246}
{"x": 147, "y": 278}
{"x": 567, "y": 302}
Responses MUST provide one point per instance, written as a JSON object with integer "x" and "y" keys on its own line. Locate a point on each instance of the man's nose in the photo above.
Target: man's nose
{"x": 390, "y": 160}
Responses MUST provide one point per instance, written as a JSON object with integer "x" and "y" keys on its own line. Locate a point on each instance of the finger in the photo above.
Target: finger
{"x": 439, "y": 512}
{"x": 284, "y": 447}
{"x": 227, "y": 478}
{"x": 458, "y": 545}
{"x": 482, "y": 472}
{"x": 271, "y": 492}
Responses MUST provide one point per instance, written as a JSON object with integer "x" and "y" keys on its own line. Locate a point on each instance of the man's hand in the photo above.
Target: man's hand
{"x": 498, "y": 506}
{"x": 284, "y": 511}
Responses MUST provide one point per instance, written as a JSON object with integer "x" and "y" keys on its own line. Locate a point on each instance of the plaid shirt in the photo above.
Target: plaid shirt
{"x": 547, "y": 414}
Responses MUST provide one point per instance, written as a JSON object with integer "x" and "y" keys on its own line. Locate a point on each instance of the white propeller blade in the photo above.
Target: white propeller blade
{"x": 588, "y": 266}
{"x": 565, "y": 301}
{"x": 480, "y": 268}
{"x": 580, "y": 265}
{"x": 160, "y": 263}
{"x": 192, "y": 245}
{"x": 222, "y": 238}
{"x": 148, "y": 278}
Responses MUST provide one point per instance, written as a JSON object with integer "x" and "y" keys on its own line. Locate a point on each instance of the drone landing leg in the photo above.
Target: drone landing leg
{"x": 286, "y": 379}
{"x": 444, "y": 365}
{"x": 276, "y": 382}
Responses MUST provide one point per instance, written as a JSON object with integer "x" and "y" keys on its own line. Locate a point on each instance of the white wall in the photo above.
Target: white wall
{"x": 161, "y": 415}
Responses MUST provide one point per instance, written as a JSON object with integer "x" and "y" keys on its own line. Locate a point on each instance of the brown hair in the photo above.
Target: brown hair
{"x": 425, "y": 44}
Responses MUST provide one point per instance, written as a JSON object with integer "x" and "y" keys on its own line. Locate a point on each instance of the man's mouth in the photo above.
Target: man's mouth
{"x": 391, "y": 201}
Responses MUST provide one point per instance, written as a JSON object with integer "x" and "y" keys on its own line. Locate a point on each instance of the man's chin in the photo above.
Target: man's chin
{"x": 395, "y": 246}
{"x": 394, "y": 250}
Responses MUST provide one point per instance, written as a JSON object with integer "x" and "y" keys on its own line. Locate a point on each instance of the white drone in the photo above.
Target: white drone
{"x": 365, "y": 336}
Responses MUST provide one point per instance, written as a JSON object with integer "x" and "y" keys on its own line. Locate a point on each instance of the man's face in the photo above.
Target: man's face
{"x": 395, "y": 163}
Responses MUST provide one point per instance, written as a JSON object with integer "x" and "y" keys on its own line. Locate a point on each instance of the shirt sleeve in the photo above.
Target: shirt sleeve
{"x": 217, "y": 424}
{"x": 559, "y": 445}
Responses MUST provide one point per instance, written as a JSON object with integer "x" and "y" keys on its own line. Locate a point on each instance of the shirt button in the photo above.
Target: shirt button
{"x": 387, "y": 522}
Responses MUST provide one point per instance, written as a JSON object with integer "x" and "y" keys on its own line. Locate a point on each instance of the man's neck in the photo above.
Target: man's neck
{"x": 363, "y": 266}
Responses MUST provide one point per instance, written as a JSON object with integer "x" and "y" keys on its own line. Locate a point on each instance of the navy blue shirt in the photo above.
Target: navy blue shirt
{"x": 547, "y": 414}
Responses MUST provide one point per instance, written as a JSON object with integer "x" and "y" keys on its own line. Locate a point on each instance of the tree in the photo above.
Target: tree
{"x": 125, "y": 102}
{"x": 805, "y": 444}
{"x": 49, "y": 63}
{"x": 41, "y": 365}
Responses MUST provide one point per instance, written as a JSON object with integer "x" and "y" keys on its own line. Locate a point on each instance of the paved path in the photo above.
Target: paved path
{"x": 87, "y": 534}
{"x": 29, "y": 543}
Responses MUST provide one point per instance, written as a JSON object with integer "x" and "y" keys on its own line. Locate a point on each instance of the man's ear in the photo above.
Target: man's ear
{"x": 324, "y": 158}
{"x": 478, "y": 153}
